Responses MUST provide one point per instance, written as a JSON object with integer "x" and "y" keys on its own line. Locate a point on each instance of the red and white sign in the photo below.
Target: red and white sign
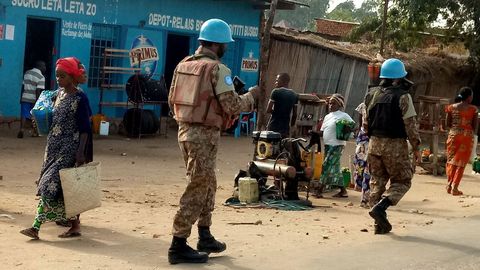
{"x": 249, "y": 64}
{"x": 2, "y": 31}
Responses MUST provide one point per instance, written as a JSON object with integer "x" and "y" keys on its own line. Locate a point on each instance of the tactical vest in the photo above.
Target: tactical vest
{"x": 193, "y": 98}
{"x": 385, "y": 118}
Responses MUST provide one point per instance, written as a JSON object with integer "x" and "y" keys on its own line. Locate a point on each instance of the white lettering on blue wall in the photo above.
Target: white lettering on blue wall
{"x": 65, "y": 6}
{"x": 189, "y": 24}
{"x": 75, "y": 30}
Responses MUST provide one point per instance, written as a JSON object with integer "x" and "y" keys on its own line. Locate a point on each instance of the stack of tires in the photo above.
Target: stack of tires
{"x": 140, "y": 122}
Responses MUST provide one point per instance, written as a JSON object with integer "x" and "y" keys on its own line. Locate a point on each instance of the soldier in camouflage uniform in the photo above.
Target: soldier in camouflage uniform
{"x": 202, "y": 97}
{"x": 390, "y": 120}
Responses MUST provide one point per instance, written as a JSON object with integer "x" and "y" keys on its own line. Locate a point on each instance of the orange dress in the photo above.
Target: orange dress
{"x": 459, "y": 141}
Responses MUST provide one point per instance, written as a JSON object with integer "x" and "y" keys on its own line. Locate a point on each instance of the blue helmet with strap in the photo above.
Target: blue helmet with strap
{"x": 393, "y": 69}
{"x": 216, "y": 30}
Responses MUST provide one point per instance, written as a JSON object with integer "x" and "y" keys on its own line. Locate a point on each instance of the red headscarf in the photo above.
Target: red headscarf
{"x": 71, "y": 66}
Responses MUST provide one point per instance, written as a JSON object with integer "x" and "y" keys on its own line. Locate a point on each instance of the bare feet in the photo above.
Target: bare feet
{"x": 30, "y": 232}
{"x": 449, "y": 189}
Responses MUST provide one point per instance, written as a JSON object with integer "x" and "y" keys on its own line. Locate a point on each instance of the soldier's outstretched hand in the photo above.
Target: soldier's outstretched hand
{"x": 255, "y": 91}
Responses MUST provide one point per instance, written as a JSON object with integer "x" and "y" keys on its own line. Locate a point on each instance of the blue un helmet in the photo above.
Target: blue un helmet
{"x": 393, "y": 69}
{"x": 216, "y": 30}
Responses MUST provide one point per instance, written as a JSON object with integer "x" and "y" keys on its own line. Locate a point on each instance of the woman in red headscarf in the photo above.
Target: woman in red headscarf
{"x": 69, "y": 144}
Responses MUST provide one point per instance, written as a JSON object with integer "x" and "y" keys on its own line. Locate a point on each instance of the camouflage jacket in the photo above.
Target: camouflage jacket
{"x": 231, "y": 102}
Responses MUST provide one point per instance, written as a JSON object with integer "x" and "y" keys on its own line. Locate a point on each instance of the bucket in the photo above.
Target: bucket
{"x": 96, "y": 120}
{"x": 104, "y": 128}
{"x": 43, "y": 120}
{"x": 374, "y": 73}
{"x": 317, "y": 166}
{"x": 248, "y": 190}
{"x": 317, "y": 170}
{"x": 347, "y": 176}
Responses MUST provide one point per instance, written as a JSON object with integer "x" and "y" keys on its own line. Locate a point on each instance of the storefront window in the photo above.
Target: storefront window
{"x": 103, "y": 36}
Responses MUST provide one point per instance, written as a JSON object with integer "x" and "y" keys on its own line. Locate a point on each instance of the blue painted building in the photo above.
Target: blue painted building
{"x": 32, "y": 30}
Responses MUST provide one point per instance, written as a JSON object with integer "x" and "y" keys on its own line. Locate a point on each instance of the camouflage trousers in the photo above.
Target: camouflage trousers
{"x": 198, "y": 200}
{"x": 390, "y": 164}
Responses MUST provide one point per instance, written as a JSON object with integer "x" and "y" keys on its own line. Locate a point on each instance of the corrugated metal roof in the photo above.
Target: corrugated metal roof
{"x": 282, "y": 4}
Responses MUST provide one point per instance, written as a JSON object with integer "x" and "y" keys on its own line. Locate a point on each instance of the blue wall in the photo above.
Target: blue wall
{"x": 159, "y": 19}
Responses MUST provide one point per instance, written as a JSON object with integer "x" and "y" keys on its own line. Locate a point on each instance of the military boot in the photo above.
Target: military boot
{"x": 180, "y": 252}
{"x": 207, "y": 242}
{"x": 379, "y": 214}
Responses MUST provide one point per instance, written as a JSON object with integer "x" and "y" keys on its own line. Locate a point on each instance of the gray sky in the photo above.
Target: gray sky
{"x": 334, "y": 3}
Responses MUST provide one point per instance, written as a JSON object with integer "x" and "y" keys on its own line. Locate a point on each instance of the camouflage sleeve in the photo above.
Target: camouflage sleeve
{"x": 410, "y": 121}
{"x": 170, "y": 93}
{"x": 406, "y": 105}
{"x": 234, "y": 104}
{"x": 366, "y": 102}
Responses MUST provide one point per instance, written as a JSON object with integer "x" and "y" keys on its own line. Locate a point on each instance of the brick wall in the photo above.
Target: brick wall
{"x": 335, "y": 29}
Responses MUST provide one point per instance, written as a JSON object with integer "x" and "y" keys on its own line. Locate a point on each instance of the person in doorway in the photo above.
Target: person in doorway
{"x": 362, "y": 174}
{"x": 390, "y": 120}
{"x": 331, "y": 174}
{"x": 462, "y": 120}
{"x": 282, "y": 106}
{"x": 67, "y": 146}
{"x": 199, "y": 129}
{"x": 33, "y": 85}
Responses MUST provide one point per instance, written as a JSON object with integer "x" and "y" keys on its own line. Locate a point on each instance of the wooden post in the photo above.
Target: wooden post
{"x": 264, "y": 59}
{"x": 384, "y": 26}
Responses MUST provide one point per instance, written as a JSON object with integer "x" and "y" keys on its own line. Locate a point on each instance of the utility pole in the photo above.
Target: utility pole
{"x": 384, "y": 26}
{"x": 264, "y": 59}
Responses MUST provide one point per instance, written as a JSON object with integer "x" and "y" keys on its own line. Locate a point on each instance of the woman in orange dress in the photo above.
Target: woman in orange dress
{"x": 462, "y": 121}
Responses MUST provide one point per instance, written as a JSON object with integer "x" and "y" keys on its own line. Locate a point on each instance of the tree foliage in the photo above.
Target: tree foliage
{"x": 347, "y": 11}
{"x": 303, "y": 17}
{"x": 407, "y": 19}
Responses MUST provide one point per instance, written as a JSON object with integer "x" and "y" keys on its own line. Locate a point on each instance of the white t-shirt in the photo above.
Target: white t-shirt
{"x": 329, "y": 127}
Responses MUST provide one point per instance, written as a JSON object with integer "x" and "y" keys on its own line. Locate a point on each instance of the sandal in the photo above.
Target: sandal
{"x": 456, "y": 192}
{"x": 70, "y": 234}
{"x": 340, "y": 195}
{"x": 30, "y": 232}
{"x": 449, "y": 189}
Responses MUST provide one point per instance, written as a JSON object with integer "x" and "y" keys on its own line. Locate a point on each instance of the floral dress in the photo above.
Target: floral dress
{"x": 71, "y": 117}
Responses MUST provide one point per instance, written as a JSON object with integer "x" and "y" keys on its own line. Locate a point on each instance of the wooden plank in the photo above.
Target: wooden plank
{"x": 113, "y": 86}
{"x": 116, "y": 50}
{"x": 120, "y": 68}
{"x": 116, "y": 104}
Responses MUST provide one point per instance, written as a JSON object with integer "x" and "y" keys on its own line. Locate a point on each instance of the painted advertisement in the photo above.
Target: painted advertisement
{"x": 192, "y": 24}
{"x": 63, "y": 6}
{"x": 145, "y": 53}
{"x": 249, "y": 64}
{"x": 76, "y": 29}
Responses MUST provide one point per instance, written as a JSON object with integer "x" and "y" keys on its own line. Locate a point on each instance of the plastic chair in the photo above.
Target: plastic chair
{"x": 245, "y": 123}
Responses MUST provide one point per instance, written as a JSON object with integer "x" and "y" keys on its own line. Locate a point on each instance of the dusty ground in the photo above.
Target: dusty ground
{"x": 142, "y": 188}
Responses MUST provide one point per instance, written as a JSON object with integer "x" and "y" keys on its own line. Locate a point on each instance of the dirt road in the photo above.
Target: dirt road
{"x": 143, "y": 180}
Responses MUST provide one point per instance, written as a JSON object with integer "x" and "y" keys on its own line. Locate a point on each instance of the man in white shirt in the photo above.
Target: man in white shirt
{"x": 33, "y": 85}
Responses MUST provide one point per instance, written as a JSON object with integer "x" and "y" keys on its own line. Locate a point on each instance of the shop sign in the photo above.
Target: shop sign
{"x": 144, "y": 51}
{"x": 192, "y": 24}
{"x": 61, "y": 6}
{"x": 249, "y": 64}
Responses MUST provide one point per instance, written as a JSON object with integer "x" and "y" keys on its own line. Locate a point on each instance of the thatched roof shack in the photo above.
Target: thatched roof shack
{"x": 439, "y": 76}
{"x": 317, "y": 66}
{"x": 320, "y": 66}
